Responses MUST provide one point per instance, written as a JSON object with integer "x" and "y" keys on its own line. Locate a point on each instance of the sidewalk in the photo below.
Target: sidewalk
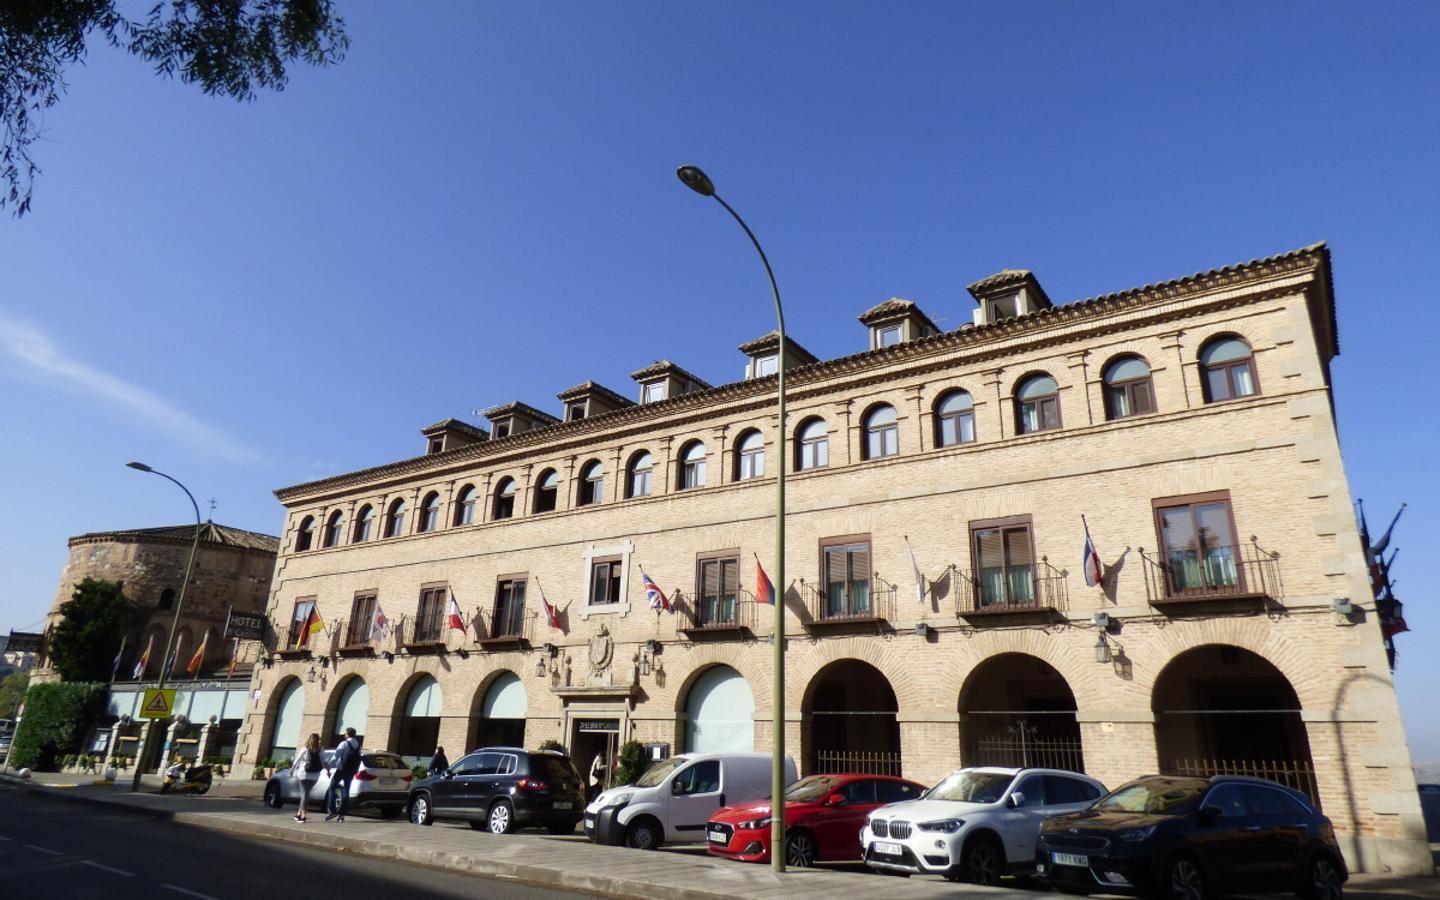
{"x": 567, "y": 862}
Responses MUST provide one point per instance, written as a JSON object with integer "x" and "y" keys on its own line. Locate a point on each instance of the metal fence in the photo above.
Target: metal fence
{"x": 1217, "y": 572}
{"x": 1046, "y": 753}
{"x": 1292, "y": 773}
{"x": 862, "y": 762}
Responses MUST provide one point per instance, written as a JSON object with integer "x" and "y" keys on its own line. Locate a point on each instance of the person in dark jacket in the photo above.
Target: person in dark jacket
{"x": 347, "y": 763}
{"x": 438, "y": 762}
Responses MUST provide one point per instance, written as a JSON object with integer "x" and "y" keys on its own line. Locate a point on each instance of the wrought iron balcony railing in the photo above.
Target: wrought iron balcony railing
{"x": 1240, "y": 571}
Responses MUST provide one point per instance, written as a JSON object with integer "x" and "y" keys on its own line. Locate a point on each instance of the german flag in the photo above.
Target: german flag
{"x": 312, "y": 624}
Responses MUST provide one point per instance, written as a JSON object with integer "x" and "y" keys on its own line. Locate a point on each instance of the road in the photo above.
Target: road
{"x": 53, "y": 849}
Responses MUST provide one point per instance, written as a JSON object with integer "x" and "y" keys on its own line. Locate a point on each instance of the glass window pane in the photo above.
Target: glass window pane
{"x": 1225, "y": 350}
{"x": 1119, "y": 402}
{"x": 1037, "y": 386}
{"x": 1029, "y": 418}
{"x": 956, "y": 402}
{"x": 1127, "y": 369}
{"x": 949, "y": 435}
{"x": 967, "y": 428}
{"x": 881, "y": 415}
{"x": 822, "y": 452}
{"x": 1241, "y": 380}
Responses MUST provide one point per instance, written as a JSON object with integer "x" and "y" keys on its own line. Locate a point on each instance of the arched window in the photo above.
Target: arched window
{"x": 504, "y": 499}
{"x": 547, "y": 491}
{"x": 592, "y": 483}
{"x": 167, "y": 599}
{"x": 750, "y": 456}
{"x": 465, "y": 505}
{"x": 692, "y": 466}
{"x": 1227, "y": 370}
{"x": 812, "y": 445}
{"x": 364, "y": 523}
{"x": 954, "y": 419}
{"x": 882, "y": 432}
{"x": 429, "y": 512}
{"x": 1128, "y": 391}
{"x": 334, "y": 529}
{"x": 305, "y": 539}
{"x": 1037, "y": 404}
{"x": 395, "y": 519}
{"x": 642, "y": 471}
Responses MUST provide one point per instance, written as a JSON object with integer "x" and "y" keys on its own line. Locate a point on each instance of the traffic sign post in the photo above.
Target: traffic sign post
{"x": 158, "y": 703}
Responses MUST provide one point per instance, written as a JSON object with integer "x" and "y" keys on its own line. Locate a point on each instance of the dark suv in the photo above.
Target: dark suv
{"x": 1192, "y": 838}
{"x": 501, "y": 789}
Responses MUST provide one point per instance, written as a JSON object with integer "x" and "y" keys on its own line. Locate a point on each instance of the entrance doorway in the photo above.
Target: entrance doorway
{"x": 592, "y": 740}
{"x": 850, "y": 721}
{"x": 1017, "y": 711}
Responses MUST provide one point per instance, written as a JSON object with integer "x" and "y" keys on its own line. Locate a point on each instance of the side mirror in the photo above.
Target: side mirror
{"x": 676, "y": 787}
{"x": 1017, "y": 800}
{"x": 1209, "y": 814}
{"x": 835, "y": 800}
{"x": 448, "y": 773}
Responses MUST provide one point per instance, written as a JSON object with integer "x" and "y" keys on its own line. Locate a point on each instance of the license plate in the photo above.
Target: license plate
{"x": 1070, "y": 859}
{"x": 719, "y": 837}
{"x": 887, "y": 848}
{"x": 564, "y": 804}
{"x": 389, "y": 782}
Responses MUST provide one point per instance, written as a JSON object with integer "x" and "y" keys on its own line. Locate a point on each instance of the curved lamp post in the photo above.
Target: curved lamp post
{"x": 179, "y": 604}
{"x": 701, "y": 184}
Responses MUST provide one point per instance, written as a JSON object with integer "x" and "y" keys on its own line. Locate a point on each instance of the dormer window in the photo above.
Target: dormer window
{"x": 436, "y": 445}
{"x": 654, "y": 393}
{"x": 1004, "y": 308}
{"x": 889, "y": 336}
{"x": 896, "y": 322}
{"x": 575, "y": 412}
{"x": 767, "y": 365}
{"x": 502, "y": 430}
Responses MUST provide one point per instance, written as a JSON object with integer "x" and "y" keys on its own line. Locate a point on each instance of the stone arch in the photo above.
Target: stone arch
{"x": 1292, "y": 660}
{"x": 1018, "y": 710}
{"x": 717, "y": 711}
{"x": 501, "y": 691}
{"x": 889, "y": 657}
{"x": 341, "y": 710}
{"x": 850, "y": 720}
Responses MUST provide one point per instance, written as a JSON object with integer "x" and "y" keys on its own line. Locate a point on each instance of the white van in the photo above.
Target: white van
{"x": 675, "y": 797}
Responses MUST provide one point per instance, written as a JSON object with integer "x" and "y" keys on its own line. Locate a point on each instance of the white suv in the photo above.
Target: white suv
{"x": 975, "y": 825}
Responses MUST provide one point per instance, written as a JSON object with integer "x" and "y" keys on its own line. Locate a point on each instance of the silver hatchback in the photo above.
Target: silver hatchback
{"x": 382, "y": 782}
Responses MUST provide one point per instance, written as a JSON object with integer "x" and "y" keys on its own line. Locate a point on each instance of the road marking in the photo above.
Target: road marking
{"x": 4, "y": 838}
{"x": 180, "y": 890}
{"x": 45, "y": 850}
{"x": 91, "y": 862}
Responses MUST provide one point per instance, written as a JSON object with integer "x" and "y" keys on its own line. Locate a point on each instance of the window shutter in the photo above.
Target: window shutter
{"x": 729, "y": 577}
{"x": 835, "y": 565}
{"x": 989, "y": 551}
{"x": 860, "y": 562}
{"x": 1017, "y": 546}
{"x": 710, "y": 579}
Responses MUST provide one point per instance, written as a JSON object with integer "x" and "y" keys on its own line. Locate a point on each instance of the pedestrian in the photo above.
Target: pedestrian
{"x": 439, "y": 762}
{"x": 306, "y": 770}
{"x": 345, "y": 765}
{"x": 597, "y": 775}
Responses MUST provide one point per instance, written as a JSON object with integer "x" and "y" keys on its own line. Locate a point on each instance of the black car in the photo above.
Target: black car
{"x": 501, "y": 789}
{"x": 1192, "y": 838}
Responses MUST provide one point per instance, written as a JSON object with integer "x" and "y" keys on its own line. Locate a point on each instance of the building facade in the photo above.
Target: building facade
{"x": 938, "y": 610}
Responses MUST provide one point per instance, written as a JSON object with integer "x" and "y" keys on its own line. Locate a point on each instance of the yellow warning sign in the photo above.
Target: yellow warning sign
{"x": 158, "y": 703}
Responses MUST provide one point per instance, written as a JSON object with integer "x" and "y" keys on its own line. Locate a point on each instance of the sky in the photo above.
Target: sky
{"x": 479, "y": 205}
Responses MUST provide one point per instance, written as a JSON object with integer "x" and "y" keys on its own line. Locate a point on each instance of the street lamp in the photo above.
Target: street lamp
{"x": 701, "y": 184}
{"x": 179, "y": 607}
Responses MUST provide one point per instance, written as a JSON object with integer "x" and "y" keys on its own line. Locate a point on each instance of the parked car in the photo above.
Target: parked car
{"x": 381, "y": 782}
{"x": 500, "y": 789}
{"x": 823, "y": 814}
{"x": 976, "y": 825}
{"x": 1191, "y": 838}
{"x": 676, "y": 797}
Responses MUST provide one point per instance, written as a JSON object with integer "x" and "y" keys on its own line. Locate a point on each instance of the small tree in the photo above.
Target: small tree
{"x": 632, "y": 763}
{"x": 56, "y": 716}
{"x": 84, "y": 643}
{"x": 12, "y": 691}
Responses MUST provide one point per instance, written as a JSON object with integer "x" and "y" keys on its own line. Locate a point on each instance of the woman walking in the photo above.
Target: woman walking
{"x": 306, "y": 769}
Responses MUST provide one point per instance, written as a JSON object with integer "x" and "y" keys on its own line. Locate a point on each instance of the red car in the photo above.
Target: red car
{"x": 823, "y": 817}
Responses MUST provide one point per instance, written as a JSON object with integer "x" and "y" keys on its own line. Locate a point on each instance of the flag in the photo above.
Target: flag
{"x": 174, "y": 657}
{"x": 764, "y": 590}
{"x": 379, "y": 626}
{"x": 194, "y": 668}
{"x": 1094, "y": 572}
{"x": 657, "y": 598}
{"x": 115, "y": 666}
{"x": 144, "y": 661}
{"x": 1380, "y": 545}
{"x": 919, "y": 578}
{"x": 454, "y": 619}
{"x": 312, "y": 624}
{"x": 552, "y": 615}
{"x": 234, "y": 658}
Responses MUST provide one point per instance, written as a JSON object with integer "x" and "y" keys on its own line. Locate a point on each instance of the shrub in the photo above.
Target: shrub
{"x": 552, "y": 744}
{"x": 632, "y": 762}
{"x": 56, "y": 717}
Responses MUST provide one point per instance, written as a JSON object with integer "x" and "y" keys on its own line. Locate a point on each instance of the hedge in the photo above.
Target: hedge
{"x": 57, "y": 715}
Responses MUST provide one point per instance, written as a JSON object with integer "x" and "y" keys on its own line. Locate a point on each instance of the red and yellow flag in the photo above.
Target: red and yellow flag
{"x": 313, "y": 623}
{"x": 194, "y": 667}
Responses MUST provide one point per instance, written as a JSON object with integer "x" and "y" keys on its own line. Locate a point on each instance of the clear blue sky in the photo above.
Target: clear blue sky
{"x": 479, "y": 206}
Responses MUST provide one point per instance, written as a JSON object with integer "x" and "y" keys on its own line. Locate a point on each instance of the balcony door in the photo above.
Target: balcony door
{"x": 1198, "y": 534}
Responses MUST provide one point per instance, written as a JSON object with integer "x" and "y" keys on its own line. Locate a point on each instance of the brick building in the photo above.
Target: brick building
{"x": 1190, "y": 422}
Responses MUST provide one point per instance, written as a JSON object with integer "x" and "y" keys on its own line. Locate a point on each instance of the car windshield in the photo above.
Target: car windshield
{"x": 660, "y": 771}
{"x": 1168, "y": 797}
{"x": 808, "y": 790}
{"x": 383, "y": 761}
{"x": 968, "y": 786}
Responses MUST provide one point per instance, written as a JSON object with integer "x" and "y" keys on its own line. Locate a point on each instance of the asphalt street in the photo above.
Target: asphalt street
{"x": 55, "y": 849}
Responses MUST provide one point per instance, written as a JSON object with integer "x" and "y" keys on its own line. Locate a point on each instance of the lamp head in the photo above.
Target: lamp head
{"x": 139, "y": 466}
{"x": 696, "y": 180}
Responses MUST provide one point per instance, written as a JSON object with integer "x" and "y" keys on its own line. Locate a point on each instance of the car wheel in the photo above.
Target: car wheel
{"x": 561, "y": 828}
{"x": 642, "y": 835}
{"x": 1323, "y": 881}
{"x": 204, "y": 788}
{"x": 272, "y": 796}
{"x": 801, "y": 851}
{"x": 983, "y": 862}
{"x": 1185, "y": 879}
{"x": 420, "y": 811}
{"x": 390, "y": 811}
{"x": 502, "y": 818}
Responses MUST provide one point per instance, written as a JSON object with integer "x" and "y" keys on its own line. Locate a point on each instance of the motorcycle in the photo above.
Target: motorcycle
{"x": 186, "y": 779}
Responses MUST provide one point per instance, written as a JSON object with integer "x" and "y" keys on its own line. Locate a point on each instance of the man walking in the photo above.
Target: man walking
{"x": 346, "y": 764}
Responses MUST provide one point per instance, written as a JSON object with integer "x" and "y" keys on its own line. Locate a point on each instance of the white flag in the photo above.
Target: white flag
{"x": 919, "y": 579}
{"x": 379, "y": 626}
